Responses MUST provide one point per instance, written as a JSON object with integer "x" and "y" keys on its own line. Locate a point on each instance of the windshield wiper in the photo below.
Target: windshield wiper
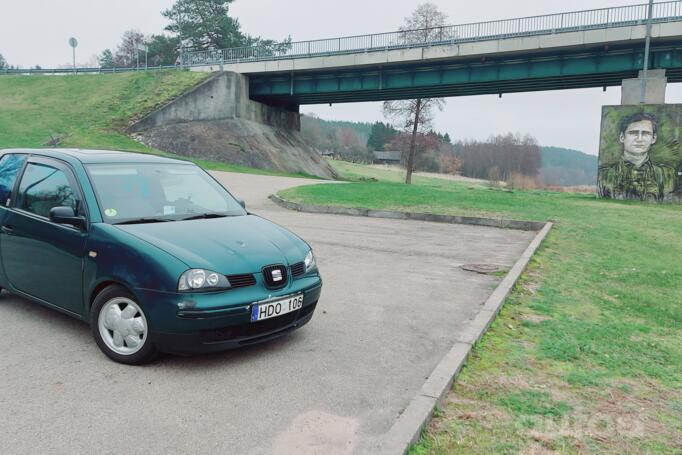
{"x": 144, "y": 220}
{"x": 204, "y": 215}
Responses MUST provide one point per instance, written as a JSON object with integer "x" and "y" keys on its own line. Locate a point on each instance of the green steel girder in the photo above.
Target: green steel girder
{"x": 553, "y": 71}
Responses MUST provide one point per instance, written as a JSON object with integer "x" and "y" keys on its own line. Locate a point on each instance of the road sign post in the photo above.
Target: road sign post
{"x": 73, "y": 42}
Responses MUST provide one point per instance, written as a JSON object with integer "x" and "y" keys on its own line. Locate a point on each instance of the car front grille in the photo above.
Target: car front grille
{"x": 241, "y": 281}
{"x": 270, "y": 281}
{"x": 298, "y": 269}
{"x": 246, "y": 332}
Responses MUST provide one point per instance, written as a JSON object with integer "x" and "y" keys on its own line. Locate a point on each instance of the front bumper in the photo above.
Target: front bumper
{"x": 233, "y": 337}
{"x": 213, "y": 322}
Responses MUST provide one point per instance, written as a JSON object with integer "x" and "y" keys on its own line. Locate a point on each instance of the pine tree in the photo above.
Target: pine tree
{"x": 381, "y": 134}
{"x": 106, "y": 59}
{"x": 163, "y": 50}
{"x": 206, "y": 24}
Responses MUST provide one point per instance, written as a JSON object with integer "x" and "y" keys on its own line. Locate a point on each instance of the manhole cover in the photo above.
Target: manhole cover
{"x": 485, "y": 269}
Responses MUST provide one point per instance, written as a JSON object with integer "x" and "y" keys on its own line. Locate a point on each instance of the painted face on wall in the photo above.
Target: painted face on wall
{"x": 638, "y": 138}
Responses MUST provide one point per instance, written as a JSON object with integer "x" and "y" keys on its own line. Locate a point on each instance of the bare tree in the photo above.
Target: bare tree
{"x": 347, "y": 138}
{"x": 127, "y": 52}
{"x": 426, "y": 24}
{"x": 500, "y": 157}
{"x": 416, "y": 115}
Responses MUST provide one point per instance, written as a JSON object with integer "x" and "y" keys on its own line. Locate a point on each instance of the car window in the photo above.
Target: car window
{"x": 129, "y": 191}
{"x": 186, "y": 184}
{"x": 9, "y": 168}
{"x": 43, "y": 187}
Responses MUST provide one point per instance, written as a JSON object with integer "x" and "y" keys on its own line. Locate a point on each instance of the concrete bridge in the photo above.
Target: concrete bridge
{"x": 594, "y": 48}
{"x": 249, "y": 109}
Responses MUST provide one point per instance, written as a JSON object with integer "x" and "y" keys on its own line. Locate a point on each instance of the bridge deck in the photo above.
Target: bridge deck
{"x": 596, "y": 48}
{"x": 594, "y": 58}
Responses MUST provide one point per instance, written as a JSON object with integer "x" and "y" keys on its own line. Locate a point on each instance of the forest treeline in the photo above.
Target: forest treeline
{"x": 500, "y": 157}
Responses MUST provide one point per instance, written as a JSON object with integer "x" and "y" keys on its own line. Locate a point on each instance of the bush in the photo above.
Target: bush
{"x": 356, "y": 155}
{"x": 427, "y": 162}
{"x": 518, "y": 181}
{"x": 450, "y": 164}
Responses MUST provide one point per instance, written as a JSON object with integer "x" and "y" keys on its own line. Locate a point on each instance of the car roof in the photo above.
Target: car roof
{"x": 87, "y": 156}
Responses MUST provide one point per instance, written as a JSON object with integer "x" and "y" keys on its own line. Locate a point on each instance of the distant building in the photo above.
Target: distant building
{"x": 387, "y": 157}
{"x": 329, "y": 153}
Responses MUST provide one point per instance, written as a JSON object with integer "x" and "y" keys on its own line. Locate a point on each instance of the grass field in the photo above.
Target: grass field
{"x": 586, "y": 356}
{"x": 91, "y": 111}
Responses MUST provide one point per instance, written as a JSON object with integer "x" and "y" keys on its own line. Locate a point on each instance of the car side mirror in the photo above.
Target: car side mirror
{"x": 66, "y": 215}
{"x": 242, "y": 203}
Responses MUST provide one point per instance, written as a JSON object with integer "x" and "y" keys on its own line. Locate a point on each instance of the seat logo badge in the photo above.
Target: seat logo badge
{"x": 276, "y": 275}
{"x": 92, "y": 254}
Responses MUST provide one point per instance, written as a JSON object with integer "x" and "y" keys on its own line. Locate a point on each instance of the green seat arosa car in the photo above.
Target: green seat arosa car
{"x": 152, "y": 251}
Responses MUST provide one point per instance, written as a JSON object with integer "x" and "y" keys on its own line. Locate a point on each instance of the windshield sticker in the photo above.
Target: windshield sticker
{"x": 169, "y": 210}
{"x": 110, "y": 212}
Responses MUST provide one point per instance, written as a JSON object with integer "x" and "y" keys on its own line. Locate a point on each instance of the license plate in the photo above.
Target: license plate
{"x": 267, "y": 310}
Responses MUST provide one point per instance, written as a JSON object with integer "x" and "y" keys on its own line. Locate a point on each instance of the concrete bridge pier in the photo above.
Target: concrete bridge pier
{"x": 652, "y": 87}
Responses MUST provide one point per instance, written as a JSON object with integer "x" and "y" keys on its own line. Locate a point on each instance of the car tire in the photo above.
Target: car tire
{"x": 120, "y": 327}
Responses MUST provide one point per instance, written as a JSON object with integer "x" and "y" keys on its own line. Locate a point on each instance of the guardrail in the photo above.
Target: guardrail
{"x": 453, "y": 34}
{"x": 94, "y": 70}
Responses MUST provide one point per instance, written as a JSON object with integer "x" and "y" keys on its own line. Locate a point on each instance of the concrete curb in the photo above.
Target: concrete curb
{"x": 472, "y": 220}
{"x": 407, "y": 428}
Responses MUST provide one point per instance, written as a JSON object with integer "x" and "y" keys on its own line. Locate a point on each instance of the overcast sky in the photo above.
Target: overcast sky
{"x": 37, "y": 32}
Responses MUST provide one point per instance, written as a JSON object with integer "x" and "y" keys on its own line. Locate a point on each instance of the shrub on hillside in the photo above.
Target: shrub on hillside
{"x": 518, "y": 181}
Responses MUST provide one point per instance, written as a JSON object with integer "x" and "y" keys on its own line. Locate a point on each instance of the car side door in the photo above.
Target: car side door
{"x": 43, "y": 259}
{"x": 11, "y": 165}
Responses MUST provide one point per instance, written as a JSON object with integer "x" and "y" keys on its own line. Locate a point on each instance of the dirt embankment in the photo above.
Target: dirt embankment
{"x": 239, "y": 141}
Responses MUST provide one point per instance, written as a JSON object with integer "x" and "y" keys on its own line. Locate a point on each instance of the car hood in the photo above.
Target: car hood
{"x": 231, "y": 245}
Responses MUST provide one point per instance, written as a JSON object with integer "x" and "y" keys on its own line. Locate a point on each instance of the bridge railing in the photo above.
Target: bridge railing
{"x": 453, "y": 34}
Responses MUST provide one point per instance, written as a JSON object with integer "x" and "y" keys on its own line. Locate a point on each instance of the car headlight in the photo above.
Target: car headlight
{"x": 309, "y": 261}
{"x": 200, "y": 279}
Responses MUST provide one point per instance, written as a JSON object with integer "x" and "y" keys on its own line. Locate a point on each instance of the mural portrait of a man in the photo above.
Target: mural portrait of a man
{"x": 635, "y": 175}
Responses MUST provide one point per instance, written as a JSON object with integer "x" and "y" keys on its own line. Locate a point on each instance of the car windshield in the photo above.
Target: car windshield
{"x": 152, "y": 192}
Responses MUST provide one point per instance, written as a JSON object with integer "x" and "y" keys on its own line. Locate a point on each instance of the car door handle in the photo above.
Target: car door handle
{"x": 9, "y": 230}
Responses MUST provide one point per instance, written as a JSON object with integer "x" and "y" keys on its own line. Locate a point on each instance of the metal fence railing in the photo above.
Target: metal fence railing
{"x": 452, "y": 34}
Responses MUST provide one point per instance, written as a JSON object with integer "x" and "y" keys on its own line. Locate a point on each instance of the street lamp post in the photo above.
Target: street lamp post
{"x": 141, "y": 47}
{"x": 642, "y": 93}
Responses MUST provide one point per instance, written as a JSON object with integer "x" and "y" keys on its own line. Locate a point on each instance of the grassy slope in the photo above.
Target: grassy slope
{"x": 90, "y": 111}
{"x": 586, "y": 356}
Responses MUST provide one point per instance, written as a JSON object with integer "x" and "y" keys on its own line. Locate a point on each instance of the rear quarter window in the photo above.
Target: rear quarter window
{"x": 10, "y": 165}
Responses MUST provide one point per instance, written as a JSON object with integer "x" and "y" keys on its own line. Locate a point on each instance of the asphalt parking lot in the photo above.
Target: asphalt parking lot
{"x": 393, "y": 301}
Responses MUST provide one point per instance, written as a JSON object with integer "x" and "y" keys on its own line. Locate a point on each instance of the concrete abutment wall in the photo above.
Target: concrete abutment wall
{"x": 217, "y": 121}
{"x": 223, "y": 96}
